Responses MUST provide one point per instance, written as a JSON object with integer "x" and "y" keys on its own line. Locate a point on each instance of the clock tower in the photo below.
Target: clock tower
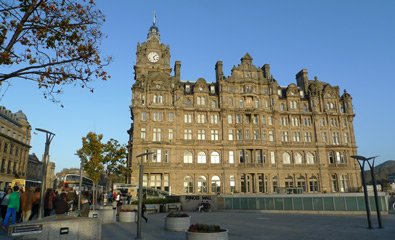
{"x": 152, "y": 55}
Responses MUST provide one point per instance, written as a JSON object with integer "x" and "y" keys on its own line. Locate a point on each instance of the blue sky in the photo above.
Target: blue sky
{"x": 345, "y": 43}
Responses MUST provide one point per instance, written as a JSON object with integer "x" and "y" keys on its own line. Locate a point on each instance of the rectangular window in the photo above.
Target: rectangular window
{"x": 143, "y": 133}
{"x": 239, "y": 135}
{"x": 295, "y": 121}
{"x": 171, "y": 134}
{"x": 238, "y": 118}
{"x": 255, "y": 119}
{"x": 170, "y": 116}
{"x": 230, "y": 134}
{"x": 264, "y": 120}
{"x": 201, "y": 118}
{"x": 284, "y": 136}
{"x": 272, "y": 158}
{"x": 271, "y": 136}
{"x": 284, "y": 121}
{"x": 270, "y": 120}
{"x": 324, "y": 137}
{"x": 166, "y": 156}
{"x": 187, "y": 134}
{"x": 157, "y": 135}
{"x": 143, "y": 116}
{"x": 214, "y": 135}
{"x": 201, "y": 134}
{"x": 214, "y": 119}
{"x": 230, "y": 119}
{"x": 296, "y": 137}
{"x": 346, "y": 138}
{"x": 158, "y": 116}
{"x": 157, "y": 156}
{"x": 308, "y": 137}
{"x": 231, "y": 157}
{"x": 241, "y": 156}
{"x": 187, "y": 118}
{"x": 256, "y": 134}
{"x": 247, "y": 134}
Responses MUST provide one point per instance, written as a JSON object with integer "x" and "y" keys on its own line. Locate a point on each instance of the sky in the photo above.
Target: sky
{"x": 350, "y": 44}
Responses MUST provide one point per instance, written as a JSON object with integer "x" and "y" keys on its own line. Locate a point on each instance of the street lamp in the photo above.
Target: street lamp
{"x": 140, "y": 196}
{"x": 365, "y": 191}
{"x": 48, "y": 138}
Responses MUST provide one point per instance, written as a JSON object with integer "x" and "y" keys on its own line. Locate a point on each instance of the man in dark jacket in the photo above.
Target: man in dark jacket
{"x": 61, "y": 205}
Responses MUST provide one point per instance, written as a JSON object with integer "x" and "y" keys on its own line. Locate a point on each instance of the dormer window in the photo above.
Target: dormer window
{"x": 188, "y": 88}
{"x": 212, "y": 89}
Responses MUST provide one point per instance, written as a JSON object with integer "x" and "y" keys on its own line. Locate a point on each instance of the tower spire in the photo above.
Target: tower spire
{"x": 153, "y": 30}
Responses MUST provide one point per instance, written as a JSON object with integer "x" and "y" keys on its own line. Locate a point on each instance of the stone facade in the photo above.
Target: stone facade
{"x": 34, "y": 168}
{"x": 15, "y": 135}
{"x": 243, "y": 133}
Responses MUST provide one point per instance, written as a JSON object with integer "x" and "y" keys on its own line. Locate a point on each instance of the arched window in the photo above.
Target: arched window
{"x": 232, "y": 183}
{"x": 275, "y": 184}
{"x": 335, "y": 185}
{"x": 201, "y": 157}
{"x": 188, "y": 157}
{"x": 215, "y": 184}
{"x": 298, "y": 158}
{"x": 289, "y": 182}
{"x": 202, "y": 184}
{"x": 301, "y": 183}
{"x": 286, "y": 158}
{"x": 188, "y": 184}
{"x": 310, "y": 158}
{"x": 214, "y": 157}
{"x": 313, "y": 184}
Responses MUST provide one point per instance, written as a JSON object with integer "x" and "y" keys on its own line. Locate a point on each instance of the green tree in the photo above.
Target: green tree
{"x": 92, "y": 158}
{"x": 114, "y": 160}
{"x": 51, "y": 42}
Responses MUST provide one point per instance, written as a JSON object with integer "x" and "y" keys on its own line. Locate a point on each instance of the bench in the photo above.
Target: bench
{"x": 173, "y": 206}
{"x": 151, "y": 208}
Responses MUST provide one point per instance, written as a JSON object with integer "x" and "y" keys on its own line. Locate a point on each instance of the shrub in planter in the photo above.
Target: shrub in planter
{"x": 177, "y": 214}
{"x": 177, "y": 221}
{"x": 205, "y": 228}
{"x": 206, "y": 232}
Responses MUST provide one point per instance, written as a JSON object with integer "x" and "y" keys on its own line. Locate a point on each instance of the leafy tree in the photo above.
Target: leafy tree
{"x": 51, "y": 42}
{"x": 114, "y": 160}
{"x": 91, "y": 156}
{"x": 91, "y": 152}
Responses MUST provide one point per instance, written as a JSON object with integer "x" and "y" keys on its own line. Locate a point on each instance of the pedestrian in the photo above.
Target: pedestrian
{"x": 36, "y": 202}
{"x": 143, "y": 211}
{"x": 201, "y": 206}
{"x": 26, "y": 204}
{"x": 4, "y": 203}
{"x": 13, "y": 207}
{"x": 49, "y": 200}
{"x": 61, "y": 205}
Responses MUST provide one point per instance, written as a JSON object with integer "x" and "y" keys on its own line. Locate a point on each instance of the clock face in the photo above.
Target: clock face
{"x": 153, "y": 57}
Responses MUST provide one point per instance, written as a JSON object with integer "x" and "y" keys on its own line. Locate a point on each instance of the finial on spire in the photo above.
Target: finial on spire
{"x": 154, "y": 20}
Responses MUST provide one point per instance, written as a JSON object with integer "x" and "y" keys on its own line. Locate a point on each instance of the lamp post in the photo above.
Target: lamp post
{"x": 140, "y": 197}
{"x": 365, "y": 191}
{"x": 48, "y": 138}
{"x": 80, "y": 181}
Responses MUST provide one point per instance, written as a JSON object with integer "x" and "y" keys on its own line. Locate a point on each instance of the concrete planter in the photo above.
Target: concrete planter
{"x": 178, "y": 224}
{"x": 107, "y": 215}
{"x": 207, "y": 236}
{"x": 127, "y": 216}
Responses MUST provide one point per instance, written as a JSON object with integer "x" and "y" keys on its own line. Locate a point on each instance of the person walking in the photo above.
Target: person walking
{"x": 36, "y": 203}
{"x": 4, "y": 203}
{"x": 142, "y": 213}
{"x": 49, "y": 200}
{"x": 13, "y": 207}
{"x": 61, "y": 205}
{"x": 26, "y": 204}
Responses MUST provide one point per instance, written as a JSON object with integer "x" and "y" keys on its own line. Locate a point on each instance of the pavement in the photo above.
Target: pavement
{"x": 253, "y": 225}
